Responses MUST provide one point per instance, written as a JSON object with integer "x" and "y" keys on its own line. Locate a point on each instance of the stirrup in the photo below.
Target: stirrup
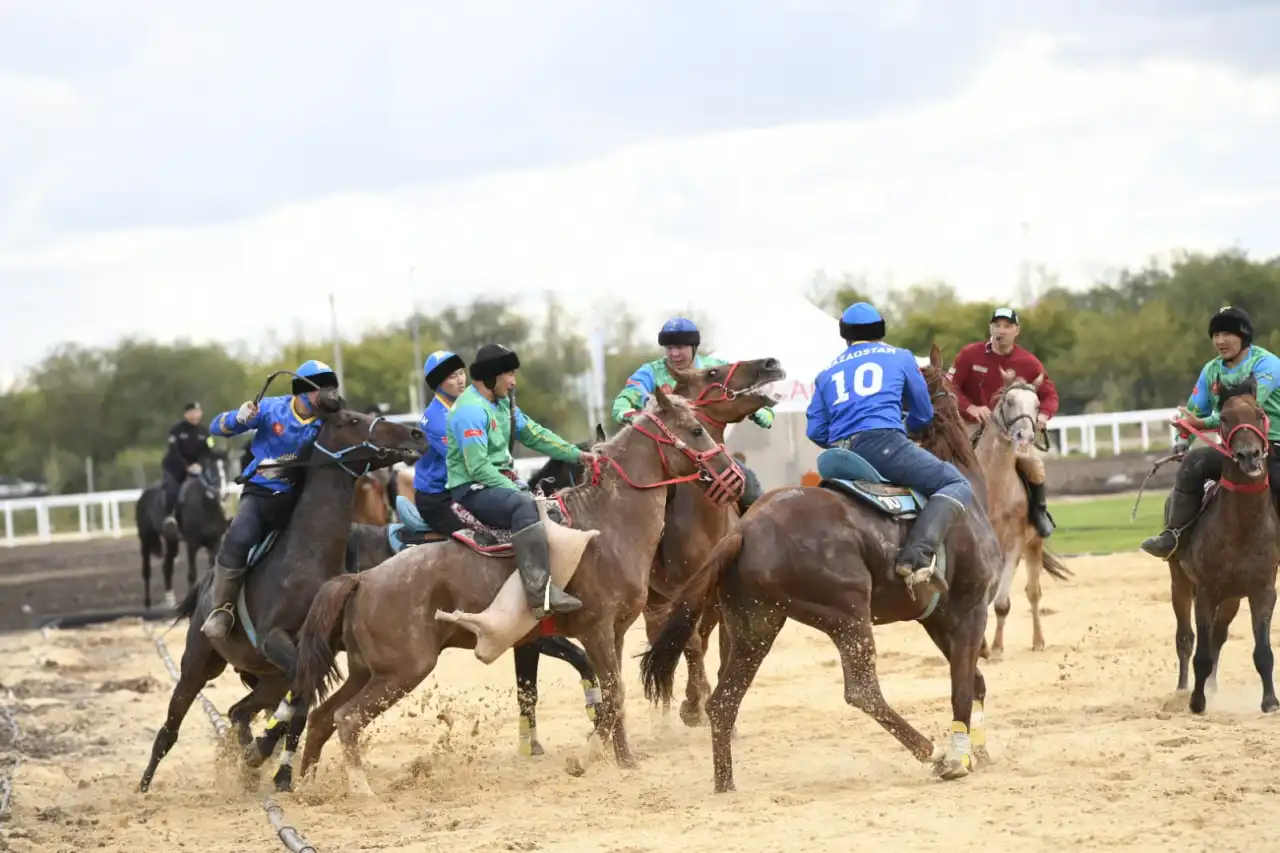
{"x": 928, "y": 574}
{"x": 228, "y": 609}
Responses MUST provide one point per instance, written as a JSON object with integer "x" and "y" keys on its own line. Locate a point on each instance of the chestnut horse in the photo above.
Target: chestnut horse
{"x": 722, "y": 395}
{"x": 824, "y": 556}
{"x": 371, "y": 506}
{"x": 380, "y": 616}
{"x": 1002, "y": 445}
{"x": 1230, "y": 553}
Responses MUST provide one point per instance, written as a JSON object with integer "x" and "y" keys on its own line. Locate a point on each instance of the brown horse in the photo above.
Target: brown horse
{"x": 1230, "y": 553}
{"x": 371, "y": 501}
{"x": 1003, "y": 445}
{"x": 380, "y": 616}
{"x": 825, "y": 558}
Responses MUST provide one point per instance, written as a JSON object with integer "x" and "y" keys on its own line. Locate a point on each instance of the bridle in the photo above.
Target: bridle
{"x": 727, "y": 394}
{"x": 1225, "y": 449}
{"x": 722, "y": 487}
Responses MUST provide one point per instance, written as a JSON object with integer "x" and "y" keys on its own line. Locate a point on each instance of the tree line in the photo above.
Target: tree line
{"x": 1132, "y": 343}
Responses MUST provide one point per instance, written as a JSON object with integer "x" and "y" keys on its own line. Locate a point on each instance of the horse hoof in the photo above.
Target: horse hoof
{"x": 530, "y": 750}
{"x": 951, "y": 768}
{"x": 284, "y": 783}
{"x": 690, "y": 716}
{"x": 1270, "y": 704}
{"x": 169, "y": 600}
{"x": 1198, "y": 703}
{"x": 253, "y": 756}
{"x": 574, "y": 767}
{"x": 982, "y": 758}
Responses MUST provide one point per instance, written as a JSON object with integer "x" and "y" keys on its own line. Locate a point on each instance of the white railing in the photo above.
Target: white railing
{"x": 1088, "y": 425}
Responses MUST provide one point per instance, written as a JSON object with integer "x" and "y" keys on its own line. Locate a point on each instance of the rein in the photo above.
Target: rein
{"x": 1225, "y": 449}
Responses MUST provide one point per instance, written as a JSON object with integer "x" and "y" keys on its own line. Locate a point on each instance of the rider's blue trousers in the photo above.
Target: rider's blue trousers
{"x": 899, "y": 461}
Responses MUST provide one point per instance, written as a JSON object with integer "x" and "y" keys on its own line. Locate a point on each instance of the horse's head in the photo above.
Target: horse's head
{"x": 677, "y": 425}
{"x": 1017, "y": 406}
{"x": 726, "y": 394}
{"x": 1244, "y": 427}
{"x": 361, "y": 443}
{"x": 213, "y": 473}
{"x": 556, "y": 475}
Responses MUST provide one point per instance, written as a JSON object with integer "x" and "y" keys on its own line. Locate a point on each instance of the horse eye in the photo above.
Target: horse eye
{"x": 698, "y": 432}
{"x": 713, "y": 373}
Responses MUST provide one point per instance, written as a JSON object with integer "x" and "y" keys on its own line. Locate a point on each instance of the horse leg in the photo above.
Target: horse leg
{"x": 750, "y": 637}
{"x": 996, "y": 652}
{"x": 1182, "y": 593}
{"x": 1202, "y": 663}
{"x": 320, "y": 725}
{"x": 1033, "y": 560}
{"x": 977, "y": 727}
{"x": 283, "y": 779}
{"x": 193, "y": 548}
{"x": 200, "y": 665}
{"x": 562, "y": 648}
{"x": 265, "y": 744}
{"x": 526, "y": 660}
{"x": 956, "y": 761}
{"x": 147, "y": 545}
{"x": 1226, "y": 612}
{"x": 697, "y": 688}
{"x": 379, "y": 694}
{"x": 1261, "y": 605}
{"x": 602, "y": 644}
{"x": 170, "y": 555}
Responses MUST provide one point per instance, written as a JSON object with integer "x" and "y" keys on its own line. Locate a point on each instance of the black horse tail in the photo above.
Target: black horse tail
{"x": 318, "y": 640}
{"x": 680, "y": 620}
{"x": 187, "y": 607}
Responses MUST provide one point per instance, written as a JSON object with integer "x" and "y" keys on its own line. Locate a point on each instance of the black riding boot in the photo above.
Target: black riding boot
{"x": 1183, "y": 507}
{"x": 1039, "y": 510}
{"x": 751, "y": 492}
{"x": 926, "y": 535}
{"x": 352, "y": 562}
{"x": 226, "y": 584}
{"x": 533, "y": 560}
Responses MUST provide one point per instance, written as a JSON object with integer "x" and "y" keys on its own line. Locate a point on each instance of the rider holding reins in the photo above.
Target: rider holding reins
{"x": 1238, "y": 359}
{"x": 285, "y": 425}
{"x": 680, "y": 338}
{"x": 482, "y": 476}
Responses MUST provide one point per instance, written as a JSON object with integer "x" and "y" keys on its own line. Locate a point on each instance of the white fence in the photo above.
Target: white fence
{"x": 99, "y": 512}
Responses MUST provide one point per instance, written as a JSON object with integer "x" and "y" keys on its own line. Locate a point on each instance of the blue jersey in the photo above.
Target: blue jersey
{"x": 431, "y": 471}
{"x": 280, "y": 431}
{"x": 863, "y": 389}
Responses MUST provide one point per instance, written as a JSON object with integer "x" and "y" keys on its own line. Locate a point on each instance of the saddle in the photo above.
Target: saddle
{"x": 874, "y": 490}
{"x": 412, "y": 530}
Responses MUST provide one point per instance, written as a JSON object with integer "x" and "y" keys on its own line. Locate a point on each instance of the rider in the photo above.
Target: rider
{"x": 1238, "y": 358}
{"x": 857, "y": 406}
{"x": 446, "y": 376}
{"x": 188, "y": 441}
{"x": 482, "y": 476}
{"x": 286, "y": 425}
{"x": 680, "y": 338}
{"x": 977, "y": 378}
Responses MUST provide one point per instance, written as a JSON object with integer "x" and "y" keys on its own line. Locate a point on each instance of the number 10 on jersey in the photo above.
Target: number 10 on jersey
{"x": 868, "y": 378}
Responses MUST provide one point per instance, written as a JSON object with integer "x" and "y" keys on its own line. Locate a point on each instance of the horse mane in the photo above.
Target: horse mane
{"x": 944, "y": 436}
{"x": 1248, "y": 386}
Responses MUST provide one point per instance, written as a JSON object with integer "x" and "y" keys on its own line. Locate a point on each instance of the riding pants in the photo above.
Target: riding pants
{"x": 502, "y": 508}
{"x": 172, "y": 484}
{"x": 900, "y": 461}
{"x": 260, "y": 512}
{"x": 436, "y": 510}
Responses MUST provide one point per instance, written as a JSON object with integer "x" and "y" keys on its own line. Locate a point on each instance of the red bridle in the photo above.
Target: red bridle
{"x": 1225, "y": 449}
{"x": 726, "y": 394}
{"x": 721, "y": 487}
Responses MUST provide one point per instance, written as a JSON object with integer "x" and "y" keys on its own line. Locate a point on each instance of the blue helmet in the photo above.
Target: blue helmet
{"x": 679, "y": 332}
{"x": 861, "y": 322}
{"x": 318, "y": 372}
{"x": 439, "y": 365}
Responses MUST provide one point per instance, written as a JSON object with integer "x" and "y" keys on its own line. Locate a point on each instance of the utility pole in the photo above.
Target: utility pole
{"x": 337, "y": 342}
{"x": 420, "y": 381}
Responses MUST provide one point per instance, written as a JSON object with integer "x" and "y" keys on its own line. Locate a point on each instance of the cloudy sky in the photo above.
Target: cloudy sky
{"x": 216, "y": 170}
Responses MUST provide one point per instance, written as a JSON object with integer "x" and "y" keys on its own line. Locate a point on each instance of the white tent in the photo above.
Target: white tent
{"x": 805, "y": 339}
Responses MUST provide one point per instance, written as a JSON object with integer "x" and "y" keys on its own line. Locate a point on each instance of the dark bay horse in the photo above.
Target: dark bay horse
{"x": 721, "y": 395}
{"x": 284, "y": 576}
{"x": 205, "y": 523}
{"x": 824, "y": 557}
{"x": 1230, "y": 553}
{"x": 380, "y": 616}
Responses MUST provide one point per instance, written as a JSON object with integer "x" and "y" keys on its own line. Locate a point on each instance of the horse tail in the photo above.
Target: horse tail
{"x": 658, "y": 664}
{"x": 187, "y": 608}
{"x": 317, "y": 641}
{"x": 1054, "y": 566}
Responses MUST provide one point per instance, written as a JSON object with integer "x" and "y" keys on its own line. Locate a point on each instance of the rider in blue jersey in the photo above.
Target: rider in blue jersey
{"x": 857, "y": 406}
{"x": 284, "y": 426}
{"x": 447, "y": 378}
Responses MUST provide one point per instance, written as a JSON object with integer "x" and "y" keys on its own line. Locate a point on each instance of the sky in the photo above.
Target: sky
{"x": 215, "y": 171}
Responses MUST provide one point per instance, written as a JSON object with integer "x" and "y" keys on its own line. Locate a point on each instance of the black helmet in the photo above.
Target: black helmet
{"x": 1233, "y": 320}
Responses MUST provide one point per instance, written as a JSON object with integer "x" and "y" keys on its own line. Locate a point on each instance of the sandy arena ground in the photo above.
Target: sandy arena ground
{"x": 1093, "y": 754}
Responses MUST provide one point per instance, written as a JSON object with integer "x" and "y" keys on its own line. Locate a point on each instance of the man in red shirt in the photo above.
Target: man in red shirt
{"x": 976, "y": 377}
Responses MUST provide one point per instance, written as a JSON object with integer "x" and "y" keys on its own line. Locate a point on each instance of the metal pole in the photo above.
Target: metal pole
{"x": 420, "y": 383}
{"x": 337, "y": 342}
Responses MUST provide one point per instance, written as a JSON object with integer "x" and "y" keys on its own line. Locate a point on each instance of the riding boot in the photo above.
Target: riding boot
{"x": 1039, "y": 510}
{"x": 170, "y": 525}
{"x": 533, "y": 560}
{"x": 926, "y": 536}
{"x": 1183, "y": 508}
{"x": 226, "y": 584}
{"x": 751, "y": 491}
{"x": 352, "y": 560}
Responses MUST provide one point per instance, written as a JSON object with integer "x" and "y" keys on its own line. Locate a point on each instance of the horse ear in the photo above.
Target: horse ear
{"x": 601, "y": 438}
{"x": 935, "y": 356}
{"x": 664, "y": 402}
{"x": 1008, "y": 375}
{"x": 1039, "y": 381}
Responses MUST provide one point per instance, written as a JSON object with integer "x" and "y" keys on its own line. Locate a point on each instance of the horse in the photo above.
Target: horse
{"x": 371, "y": 501}
{"x": 1230, "y": 553}
{"x": 203, "y": 524}
{"x": 824, "y": 557}
{"x": 286, "y": 569}
{"x": 201, "y": 516}
{"x": 1001, "y": 445}
{"x": 604, "y": 559}
{"x": 721, "y": 395}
